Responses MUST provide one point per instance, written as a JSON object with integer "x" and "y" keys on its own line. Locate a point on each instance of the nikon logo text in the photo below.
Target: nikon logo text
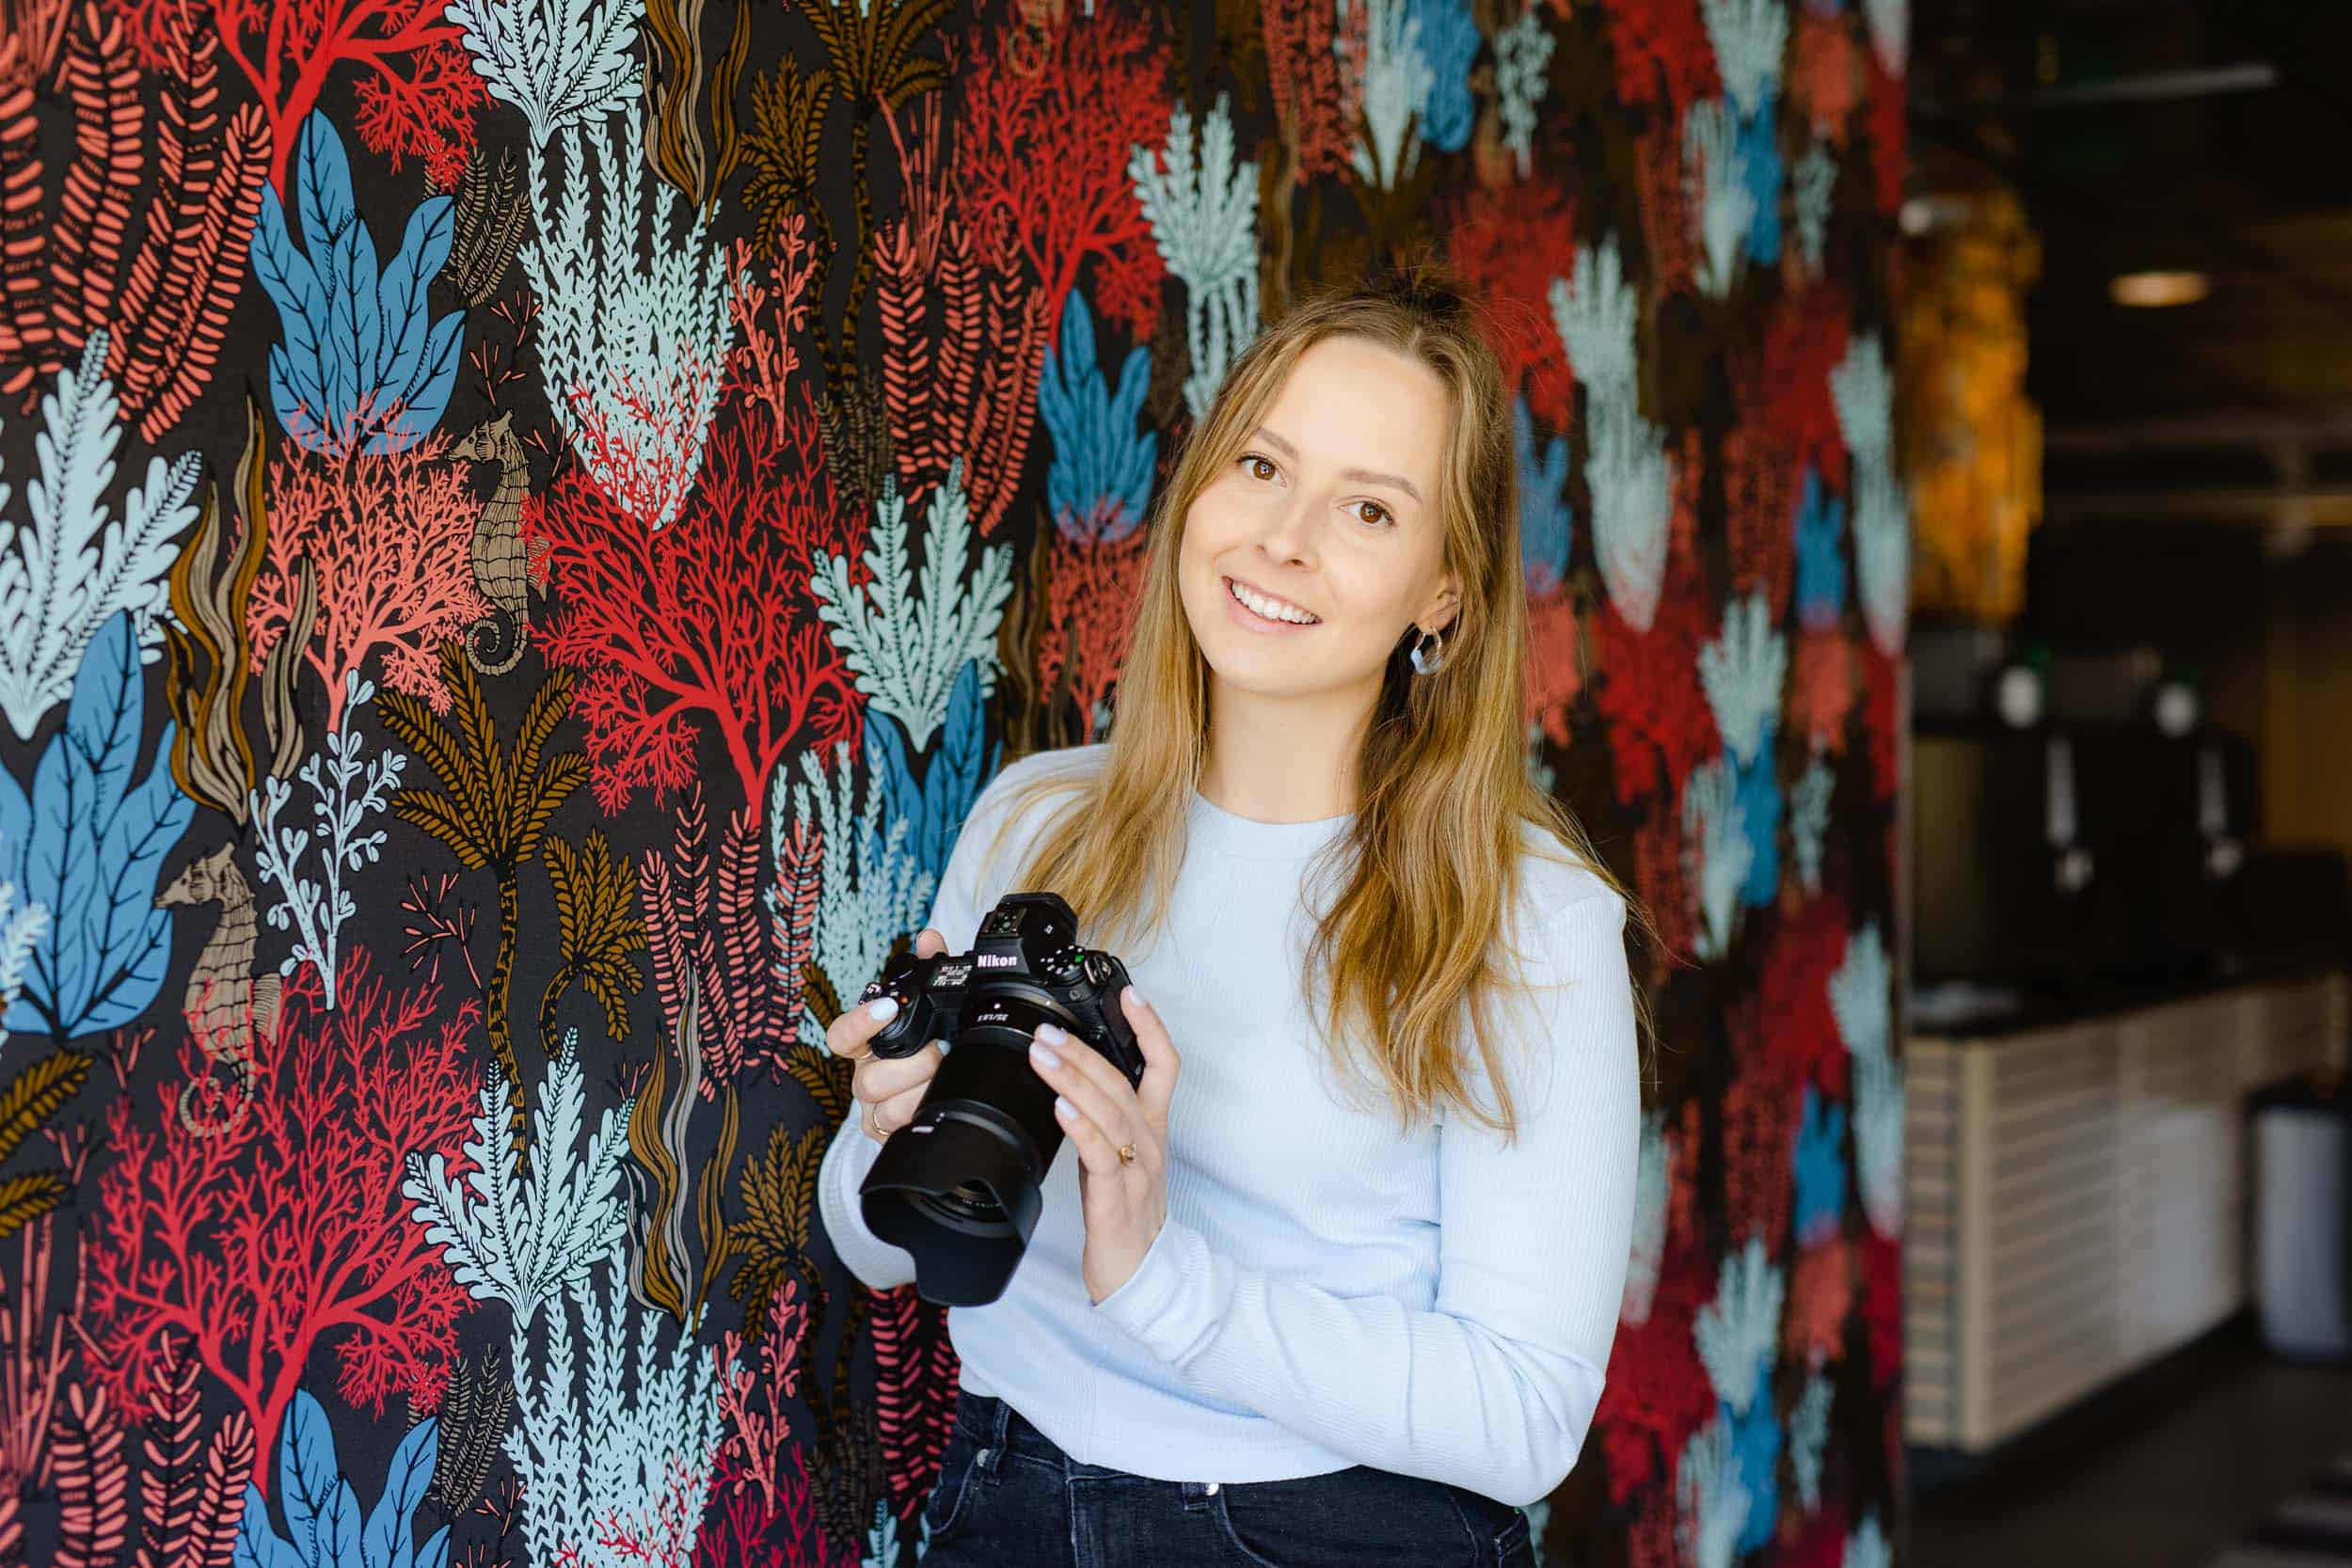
{"x": 997, "y": 960}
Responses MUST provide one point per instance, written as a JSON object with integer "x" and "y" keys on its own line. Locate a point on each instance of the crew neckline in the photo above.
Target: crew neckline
{"x": 1210, "y": 826}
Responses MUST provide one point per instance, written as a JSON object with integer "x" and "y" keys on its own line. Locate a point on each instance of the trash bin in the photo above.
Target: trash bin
{"x": 2302, "y": 1145}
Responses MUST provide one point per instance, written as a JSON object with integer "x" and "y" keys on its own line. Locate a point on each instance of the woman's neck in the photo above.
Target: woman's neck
{"x": 1288, "y": 759}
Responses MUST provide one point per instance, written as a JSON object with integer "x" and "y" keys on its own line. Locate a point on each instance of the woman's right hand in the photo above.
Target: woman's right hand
{"x": 888, "y": 1088}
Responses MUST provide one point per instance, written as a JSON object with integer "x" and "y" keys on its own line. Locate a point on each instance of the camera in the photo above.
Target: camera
{"x": 958, "y": 1186}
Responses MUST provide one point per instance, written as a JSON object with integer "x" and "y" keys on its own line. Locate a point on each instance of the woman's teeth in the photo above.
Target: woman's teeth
{"x": 1258, "y": 604}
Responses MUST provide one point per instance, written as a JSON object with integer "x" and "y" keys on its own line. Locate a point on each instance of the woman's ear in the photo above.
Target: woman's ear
{"x": 1439, "y": 615}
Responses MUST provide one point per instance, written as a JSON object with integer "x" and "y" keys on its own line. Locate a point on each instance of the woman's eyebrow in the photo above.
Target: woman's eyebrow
{"x": 1367, "y": 476}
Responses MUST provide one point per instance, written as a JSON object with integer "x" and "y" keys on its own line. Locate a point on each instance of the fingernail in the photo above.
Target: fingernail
{"x": 1063, "y": 1109}
{"x": 1128, "y": 994}
{"x": 1042, "y": 1055}
{"x": 1052, "y": 1031}
{"x": 882, "y": 1008}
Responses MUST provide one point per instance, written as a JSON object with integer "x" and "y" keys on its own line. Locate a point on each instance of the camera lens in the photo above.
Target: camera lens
{"x": 965, "y": 1203}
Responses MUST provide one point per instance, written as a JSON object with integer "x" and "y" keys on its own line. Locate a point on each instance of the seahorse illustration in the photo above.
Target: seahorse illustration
{"x": 497, "y": 552}
{"x": 227, "y": 1005}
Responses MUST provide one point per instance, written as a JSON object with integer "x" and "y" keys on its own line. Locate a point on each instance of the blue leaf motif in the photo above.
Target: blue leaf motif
{"x": 1820, "y": 1168}
{"x": 389, "y": 1539}
{"x": 363, "y": 363}
{"x": 307, "y": 1474}
{"x": 87, "y": 843}
{"x": 1099, "y": 481}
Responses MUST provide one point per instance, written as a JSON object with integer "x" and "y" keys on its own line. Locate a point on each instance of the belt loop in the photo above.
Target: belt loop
{"x": 992, "y": 1440}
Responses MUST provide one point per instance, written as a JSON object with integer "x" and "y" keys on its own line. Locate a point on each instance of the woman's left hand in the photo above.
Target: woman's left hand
{"x": 1124, "y": 1202}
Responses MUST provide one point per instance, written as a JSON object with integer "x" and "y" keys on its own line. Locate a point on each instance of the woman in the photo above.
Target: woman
{"x": 1339, "y": 1284}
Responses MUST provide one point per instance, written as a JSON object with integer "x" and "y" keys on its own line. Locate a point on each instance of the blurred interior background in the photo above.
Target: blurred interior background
{"x": 2127, "y": 357}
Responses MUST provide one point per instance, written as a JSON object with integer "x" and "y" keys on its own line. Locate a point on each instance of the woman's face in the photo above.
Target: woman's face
{"x": 1331, "y": 511}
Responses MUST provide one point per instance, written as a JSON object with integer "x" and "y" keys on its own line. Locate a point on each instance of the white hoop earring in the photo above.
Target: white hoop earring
{"x": 1427, "y": 661}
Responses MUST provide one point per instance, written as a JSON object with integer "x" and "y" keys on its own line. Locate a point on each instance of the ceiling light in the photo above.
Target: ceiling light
{"x": 2158, "y": 288}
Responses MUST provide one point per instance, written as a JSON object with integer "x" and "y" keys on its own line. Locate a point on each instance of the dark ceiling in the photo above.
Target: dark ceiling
{"x": 2210, "y": 136}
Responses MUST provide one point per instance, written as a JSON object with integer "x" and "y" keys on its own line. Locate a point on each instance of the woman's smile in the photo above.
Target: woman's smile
{"x": 1243, "y": 615}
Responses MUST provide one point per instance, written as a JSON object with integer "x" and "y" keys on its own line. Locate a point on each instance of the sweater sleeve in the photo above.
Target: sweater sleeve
{"x": 1493, "y": 1388}
{"x": 956, "y": 916}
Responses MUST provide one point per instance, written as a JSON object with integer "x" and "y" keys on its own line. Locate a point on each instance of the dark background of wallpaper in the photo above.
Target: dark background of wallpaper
{"x": 620, "y": 835}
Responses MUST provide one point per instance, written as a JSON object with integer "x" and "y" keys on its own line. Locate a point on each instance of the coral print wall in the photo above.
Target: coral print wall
{"x": 528, "y": 522}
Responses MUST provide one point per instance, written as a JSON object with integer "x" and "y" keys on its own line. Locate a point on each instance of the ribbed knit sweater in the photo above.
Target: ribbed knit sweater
{"x": 1327, "y": 1289}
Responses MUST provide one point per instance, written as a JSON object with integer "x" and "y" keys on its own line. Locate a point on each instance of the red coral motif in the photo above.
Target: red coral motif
{"x": 1664, "y": 205}
{"x": 708, "y": 619}
{"x": 1656, "y": 1393}
{"x": 288, "y": 1234}
{"x": 1820, "y": 1295}
{"x": 1090, "y": 614}
{"x": 1884, "y": 105}
{"x": 1822, "y": 678}
{"x": 1882, "y": 1305}
{"x": 1660, "y": 875}
{"x": 1760, "y": 1112}
{"x": 1799, "y": 1026}
{"x": 1804, "y": 338}
{"x": 1880, "y": 679}
{"x": 1650, "y": 695}
{"x": 1314, "y": 96}
{"x": 1046, "y": 130}
{"x": 1554, "y": 674}
{"x": 1508, "y": 246}
{"x": 1662, "y": 49}
{"x": 386, "y": 536}
{"x": 1760, "y": 512}
{"x": 416, "y": 86}
{"x": 1824, "y": 77}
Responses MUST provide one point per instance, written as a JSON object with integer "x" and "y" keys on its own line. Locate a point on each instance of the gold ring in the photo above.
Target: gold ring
{"x": 873, "y": 1122}
{"x": 1126, "y": 1154}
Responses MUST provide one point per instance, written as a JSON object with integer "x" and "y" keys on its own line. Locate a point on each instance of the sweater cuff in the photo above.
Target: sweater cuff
{"x": 1168, "y": 1305}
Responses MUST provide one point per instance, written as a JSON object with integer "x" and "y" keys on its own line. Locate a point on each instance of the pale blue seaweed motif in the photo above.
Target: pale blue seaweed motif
{"x": 325, "y": 1526}
{"x": 1717, "y": 852}
{"x": 1450, "y": 42}
{"x": 1742, "y": 669}
{"x": 1760, "y": 816}
{"x": 342, "y": 800}
{"x": 1396, "y": 79}
{"x": 1522, "y": 62}
{"x": 873, "y": 886}
{"x": 1867, "y": 1547}
{"x": 1889, "y": 21}
{"x": 1652, "y": 1187}
{"x": 19, "y": 930}
{"x": 1863, "y": 387}
{"x": 86, "y": 845}
{"x": 364, "y": 365}
{"x": 1808, "y": 820}
{"x": 561, "y": 62}
{"x": 1749, "y": 36}
{"x": 906, "y": 650}
{"x": 1808, "y": 1438}
{"x": 616, "y": 1429}
{"x": 1811, "y": 185}
{"x": 1100, "y": 480}
{"x": 1710, "y": 1499}
{"x": 522, "y": 1235}
{"x": 1735, "y": 1333}
{"x": 1546, "y": 522}
{"x": 1203, "y": 211}
{"x": 76, "y": 562}
{"x": 1626, "y": 470}
{"x": 635, "y": 313}
{"x": 1715, "y": 174}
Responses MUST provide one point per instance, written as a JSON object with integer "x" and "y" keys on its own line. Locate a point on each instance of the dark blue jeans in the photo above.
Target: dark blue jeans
{"x": 1009, "y": 1498}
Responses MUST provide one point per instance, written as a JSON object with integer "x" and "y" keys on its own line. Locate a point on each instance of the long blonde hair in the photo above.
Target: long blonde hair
{"x": 1436, "y": 843}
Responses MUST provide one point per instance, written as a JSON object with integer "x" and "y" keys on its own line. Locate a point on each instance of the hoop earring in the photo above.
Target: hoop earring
{"x": 1429, "y": 662}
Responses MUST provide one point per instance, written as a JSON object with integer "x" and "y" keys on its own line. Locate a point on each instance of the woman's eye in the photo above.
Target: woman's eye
{"x": 1376, "y": 507}
{"x": 1255, "y": 463}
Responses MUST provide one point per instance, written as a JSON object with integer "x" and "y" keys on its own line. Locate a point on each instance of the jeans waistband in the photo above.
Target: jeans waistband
{"x": 1001, "y": 1431}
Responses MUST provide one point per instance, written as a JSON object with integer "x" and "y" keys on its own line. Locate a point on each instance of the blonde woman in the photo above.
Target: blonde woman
{"x": 1337, "y": 1283}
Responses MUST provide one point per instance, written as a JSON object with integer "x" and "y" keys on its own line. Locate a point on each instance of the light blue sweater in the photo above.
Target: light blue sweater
{"x": 1324, "y": 1292}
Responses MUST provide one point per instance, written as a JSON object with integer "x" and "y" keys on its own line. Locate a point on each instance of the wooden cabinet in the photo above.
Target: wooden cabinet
{"x": 2075, "y": 1196}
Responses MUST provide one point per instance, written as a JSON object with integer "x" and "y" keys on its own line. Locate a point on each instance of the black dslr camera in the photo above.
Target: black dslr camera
{"x": 957, "y": 1185}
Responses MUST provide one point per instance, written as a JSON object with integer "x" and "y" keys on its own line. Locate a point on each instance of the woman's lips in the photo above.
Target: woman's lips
{"x": 1244, "y": 616}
